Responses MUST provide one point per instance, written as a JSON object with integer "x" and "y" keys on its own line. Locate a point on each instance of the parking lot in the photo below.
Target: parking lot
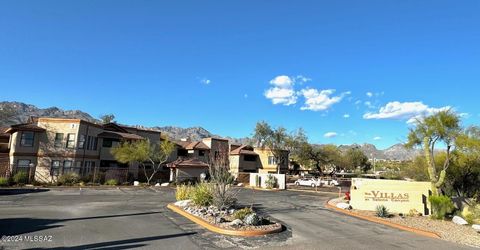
{"x": 125, "y": 218}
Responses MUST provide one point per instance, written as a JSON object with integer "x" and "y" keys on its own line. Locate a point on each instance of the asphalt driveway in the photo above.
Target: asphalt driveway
{"x": 127, "y": 218}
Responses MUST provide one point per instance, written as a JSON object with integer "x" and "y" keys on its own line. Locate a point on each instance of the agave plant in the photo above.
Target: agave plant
{"x": 382, "y": 212}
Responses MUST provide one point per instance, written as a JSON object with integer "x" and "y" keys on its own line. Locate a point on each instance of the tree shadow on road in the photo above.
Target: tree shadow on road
{"x": 17, "y": 226}
{"x": 121, "y": 244}
{"x": 16, "y": 191}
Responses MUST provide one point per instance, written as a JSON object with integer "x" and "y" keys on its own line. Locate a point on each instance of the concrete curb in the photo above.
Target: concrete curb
{"x": 384, "y": 222}
{"x": 216, "y": 229}
{"x": 264, "y": 189}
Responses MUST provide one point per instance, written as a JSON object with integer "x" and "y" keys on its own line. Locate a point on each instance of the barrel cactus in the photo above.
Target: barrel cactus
{"x": 253, "y": 219}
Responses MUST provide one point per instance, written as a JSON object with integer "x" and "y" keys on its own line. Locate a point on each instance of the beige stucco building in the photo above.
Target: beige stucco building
{"x": 49, "y": 147}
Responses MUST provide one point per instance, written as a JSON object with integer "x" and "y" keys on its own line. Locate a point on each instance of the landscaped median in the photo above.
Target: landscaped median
{"x": 422, "y": 225}
{"x": 226, "y": 221}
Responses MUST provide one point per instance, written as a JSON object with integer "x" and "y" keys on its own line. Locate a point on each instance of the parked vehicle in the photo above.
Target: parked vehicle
{"x": 330, "y": 182}
{"x": 310, "y": 182}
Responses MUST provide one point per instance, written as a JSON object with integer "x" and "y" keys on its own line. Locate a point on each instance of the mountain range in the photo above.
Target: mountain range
{"x": 20, "y": 113}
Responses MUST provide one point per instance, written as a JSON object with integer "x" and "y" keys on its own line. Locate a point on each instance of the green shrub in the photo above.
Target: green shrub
{"x": 20, "y": 178}
{"x": 111, "y": 182}
{"x": 242, "y": 213}
{"x": 271, "y": 181}
{"x": 68, "y": 179}
{"x": 471, "y": 213}
{"x": 441, "y": 206}
{"x": 382, "y": 212}
{"x": 184, "y": 192}
{"x": 202, "y": 194}
{"x": 4, "y": 182}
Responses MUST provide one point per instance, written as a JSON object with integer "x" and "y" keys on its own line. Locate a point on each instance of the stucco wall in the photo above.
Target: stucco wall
{"x": 281, "y": 180}
{"x": 396, "y": 196}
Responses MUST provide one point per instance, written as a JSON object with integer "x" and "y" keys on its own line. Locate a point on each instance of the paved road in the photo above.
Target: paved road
{"x": 129, "y": 218}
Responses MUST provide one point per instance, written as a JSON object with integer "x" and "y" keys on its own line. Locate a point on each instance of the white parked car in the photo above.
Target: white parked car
{"x": 310, "y": 182}
{"x": 330, "y": 182}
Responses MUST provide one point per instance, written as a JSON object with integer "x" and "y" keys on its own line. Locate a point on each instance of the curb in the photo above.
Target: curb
{"x": 312, "y": 191}
{"x": 264, "y": 189}
{"x": 216, "y": 229}
{"x": 384, "y": 222}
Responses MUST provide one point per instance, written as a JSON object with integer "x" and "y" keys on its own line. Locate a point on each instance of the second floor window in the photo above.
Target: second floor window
{"x": 71, "y": 141}
{"x": 107, "y": 143}
{"x": 250, "y": 157}
{"x": 81, "y": 142}
{"x": 26, "y": 139}
{"x": 58, "y": 140}
{"x": 201, "y": 153}
{"x": 272, "y": 160}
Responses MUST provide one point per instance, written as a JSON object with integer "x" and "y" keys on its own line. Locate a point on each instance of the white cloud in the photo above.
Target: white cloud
{"x": 330, "y": 135}
{"x": 346, "y": 116}
{"x": 369, "y": 104}
{"x": 465, "y": 115}
{"x": 245, "y": 95}
{"x": 358, "y": 102}
{"x": 303, "y": 79}
{"x": 369, "y": 94}
{"x": 205, "y": 81}
{"x": 377, "y": 138}
{"x": 282, "y": 91}
{"x": 319, "y": 100}
{"x": 410, "y": 111}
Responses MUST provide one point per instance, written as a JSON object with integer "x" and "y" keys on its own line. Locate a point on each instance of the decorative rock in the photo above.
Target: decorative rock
{"x": 184, "y": 203}
{"x": 476, "y": 228}
{"x": 253, "y": 219}
{"x": 459, "y": 220}
{"x": 236, "y": 223}
{"x": 136, "y": 183}
{"x": 219, "y": 220}
{"x": 240, "y": 184}
{"x": 343, "y": 206}
{"x": 231, "y": 211}
{"x": 166, "y": 184}
{"x": 157, "y": 185}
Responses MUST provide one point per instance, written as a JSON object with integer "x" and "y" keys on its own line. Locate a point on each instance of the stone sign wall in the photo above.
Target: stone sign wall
{"x": 397, "y": 196}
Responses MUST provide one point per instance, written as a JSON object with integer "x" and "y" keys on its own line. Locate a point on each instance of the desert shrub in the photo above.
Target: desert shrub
{"x": 382, "y": 211}
{"x": 20, "y": 178}
{"x": 441, "y": 206}
{"x": 242, "y": 213}
{"x": 111, "y": 182}
{"x": 4, "y": 182}
{"x": 183, "y": 192}
{"x": 68, "y": 179}
{"x": 271, "y": 181}
{"x": 223, "y": 196}
{"x": 471, "y": 213}
{"x": 413, "y": 212}
{"x": 202, "y": 194}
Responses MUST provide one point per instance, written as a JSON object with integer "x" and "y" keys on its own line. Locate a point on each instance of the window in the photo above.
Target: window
{"x": 26, "y": 139}
{"x": 92, "y": 143}
{"x": 23, "y": 165}
{"x": 55, "y": 168}
{"x": 58, "y": 140}
{"x": 201, "y": 153}
{"x": 67, "y": 167}
{"x": 70, "y": 140}
{"x": 81, "y": 141}
{"x": 88, "y": 167}
{"x": 107, "y": 143}
{"x": 182, "y": 152}
{"x": 250, "y": 157}
{"x": 272, "y": 160}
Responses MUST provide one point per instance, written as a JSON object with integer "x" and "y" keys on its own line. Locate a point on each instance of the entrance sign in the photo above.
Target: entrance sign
{"x": 396, "y": 196}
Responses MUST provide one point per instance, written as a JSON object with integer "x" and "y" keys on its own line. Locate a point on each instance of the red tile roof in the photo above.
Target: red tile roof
{"x": 243, "y": 150}
{"x": 187, "y": 162}
{"x": 24, "y": 127}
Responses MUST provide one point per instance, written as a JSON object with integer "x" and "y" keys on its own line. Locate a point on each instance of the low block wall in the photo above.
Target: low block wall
{"x": 281, "y": 180}
{"x": 397, "y": 196}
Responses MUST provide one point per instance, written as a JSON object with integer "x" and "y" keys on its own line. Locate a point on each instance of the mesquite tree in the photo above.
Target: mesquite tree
{"x": 442, "y": 127}
{"x": 143, "y": 152}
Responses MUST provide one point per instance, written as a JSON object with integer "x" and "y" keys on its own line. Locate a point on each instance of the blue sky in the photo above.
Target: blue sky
{"x": 224, "y": 65}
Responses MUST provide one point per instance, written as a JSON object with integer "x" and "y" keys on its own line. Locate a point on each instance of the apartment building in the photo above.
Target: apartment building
{"x": 49, "y": 147}
{"x": 248, "y": 159}
{"x": 193, "y": 157}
